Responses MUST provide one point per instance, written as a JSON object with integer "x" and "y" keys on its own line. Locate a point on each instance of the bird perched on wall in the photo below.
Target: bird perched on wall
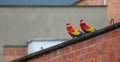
{"x": 74, "y": 33}
{"x": 86, "y": 28}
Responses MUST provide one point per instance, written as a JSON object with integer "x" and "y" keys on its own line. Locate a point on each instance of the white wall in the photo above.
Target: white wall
{"x": 35, "y": 45}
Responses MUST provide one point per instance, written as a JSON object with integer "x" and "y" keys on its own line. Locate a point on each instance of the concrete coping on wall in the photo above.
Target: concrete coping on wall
{"x": 67, "y": 43}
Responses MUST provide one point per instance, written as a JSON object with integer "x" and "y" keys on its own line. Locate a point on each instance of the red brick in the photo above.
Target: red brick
{"x": 78, "y": 46}
{"x": 57, "y": 59}
{"x": 74, "y": 47}
{"x": 109, "y": 35}
{"x": 91, "y": 54}
{"x": 70, "y": 55}
{"x": 105, "y": 57}
{"x": 81, "y": 57}
{"x": 101, "y": 38}
{"x": 111, "y": 48}
{"x": 116, "y": 59}
{"x": 74, "y": 59}
{"x": 70, "y": 60}
{"x": 61, "y": 58}
{"x": 115, "y": 46}
{"x": 81, "y": 45}
{"x": 109, "y": 42}
{"x": 90, "y": 42}
{"x": 19, "y": 51}
{"x": 90, "y": 60}
{"x": 65, "y": 57}
{"x": 11, "y": 53}
{"x": 99, "y": 46}
{"x": 80, "y": 52}
{"x": 107, "y": 50}
{"x": 65, "y": 50}
{"x": 116, "y": 33}
{"x": 117, "y": 39}
{"x": 53, "y": 54}
{"x": 48, "y": 57}
{"x": 5, "y": 51}
{"x": 83, "y": 51}
{"x": 115, "y": 54}
{"x": 89, "y": 49}
{"x": 37, "y": 60}
{"x": 98, "y": 59}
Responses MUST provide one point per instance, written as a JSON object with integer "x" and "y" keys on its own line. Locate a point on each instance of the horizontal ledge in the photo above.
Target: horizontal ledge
{"x": 9, "y": 46}
{"x": 52, "y": 6}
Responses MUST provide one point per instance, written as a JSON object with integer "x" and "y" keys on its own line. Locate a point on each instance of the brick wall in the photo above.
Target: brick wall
{"x": 14, "y": 52}
{"x": 103, "y": 48}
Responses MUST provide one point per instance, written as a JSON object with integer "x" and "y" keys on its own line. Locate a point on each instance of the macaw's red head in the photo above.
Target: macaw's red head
{"x": 69, "y": 27}
{"x": 82, "y": 22}
{"x": 83, "y": 25}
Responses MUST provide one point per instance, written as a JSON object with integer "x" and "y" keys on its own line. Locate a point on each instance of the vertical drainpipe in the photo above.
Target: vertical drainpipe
{"x": 104, "y": 2}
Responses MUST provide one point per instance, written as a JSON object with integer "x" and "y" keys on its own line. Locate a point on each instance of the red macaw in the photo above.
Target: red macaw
{"x": 86, "y": 28}
{"x": 72, "y": 31}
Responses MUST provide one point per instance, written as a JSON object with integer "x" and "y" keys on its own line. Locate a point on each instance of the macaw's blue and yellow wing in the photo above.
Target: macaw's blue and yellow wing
{"x": 76, "y": 33}
{"x": 90, "y": 30}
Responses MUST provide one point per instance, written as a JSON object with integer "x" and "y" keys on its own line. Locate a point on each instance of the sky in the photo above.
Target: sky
{"x": 37, "y": 2}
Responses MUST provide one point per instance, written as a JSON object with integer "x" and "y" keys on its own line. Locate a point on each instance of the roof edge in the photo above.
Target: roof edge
{"x": 69, "y": 42}
{"x": 52, "y": 6}
{"x": 15, "y": 46}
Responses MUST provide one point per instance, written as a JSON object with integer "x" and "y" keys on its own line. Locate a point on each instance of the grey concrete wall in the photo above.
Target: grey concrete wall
{"x": 20, "y": 24}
